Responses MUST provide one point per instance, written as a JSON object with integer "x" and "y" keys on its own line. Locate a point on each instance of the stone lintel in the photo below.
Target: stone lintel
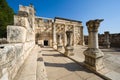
{"x": 67, "y": 19}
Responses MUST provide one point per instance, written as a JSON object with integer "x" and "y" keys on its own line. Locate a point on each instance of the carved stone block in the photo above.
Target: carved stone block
{"x": 94, "y": 59}
{"x": 69, "y": 51}
{"x": 59, "y": 47}
{"x": 16, "y": 34}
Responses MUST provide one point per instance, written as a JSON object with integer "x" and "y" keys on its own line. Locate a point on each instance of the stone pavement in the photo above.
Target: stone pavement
{"x": 111, "y": 60}
{"x": 59, "y": 67}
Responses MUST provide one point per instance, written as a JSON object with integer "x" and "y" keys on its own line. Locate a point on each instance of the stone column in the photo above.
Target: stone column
{"x": 54, "y": 37}
{"x": 93, "y": 55}
{"x": 82, "y": 36}
{"x": 106, "y": 40}
{"x": 59, "y": 45}
{"x": 74, "y": 37}
{"x": 69, "y": 48}
{"x": 65, "y": 37}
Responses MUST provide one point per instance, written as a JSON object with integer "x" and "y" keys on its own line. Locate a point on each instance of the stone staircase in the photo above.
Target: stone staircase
{"x": 33, "y": 68}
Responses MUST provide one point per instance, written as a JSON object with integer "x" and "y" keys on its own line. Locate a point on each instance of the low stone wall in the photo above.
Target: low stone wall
{"x": 13, "y": 55}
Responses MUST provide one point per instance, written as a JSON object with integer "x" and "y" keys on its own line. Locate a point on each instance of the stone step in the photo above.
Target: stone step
{"x": 33, "y": 68}
{"x": 28, "y": 69}
{"x": 41, "y": 73}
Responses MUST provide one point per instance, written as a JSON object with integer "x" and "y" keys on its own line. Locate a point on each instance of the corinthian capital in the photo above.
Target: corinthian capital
{"x": 93, "y": 25}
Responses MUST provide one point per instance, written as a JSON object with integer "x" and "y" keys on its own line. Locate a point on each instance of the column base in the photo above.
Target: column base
{"x": 55, "y": 45}
{"x": 59, "y": 47}
{"x": 107, "y": 45}
{"x": 69, "y": 51}
{"x": 94, "y": 59}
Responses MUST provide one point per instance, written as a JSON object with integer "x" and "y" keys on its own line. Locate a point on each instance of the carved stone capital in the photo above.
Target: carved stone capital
{"x": 93, "y": 25}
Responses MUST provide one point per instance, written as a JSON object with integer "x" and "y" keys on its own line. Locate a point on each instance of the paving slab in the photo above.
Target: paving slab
{"x": 113, "y": 75}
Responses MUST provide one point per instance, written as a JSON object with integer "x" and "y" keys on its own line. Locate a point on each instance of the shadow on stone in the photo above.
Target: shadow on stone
{"x": 39, "y": 51}
{"x": 55, "y": 55}
{"x": 50, "y": 50}
{"x": 40, "y": 59}
{"x": 1, "y": 47}
{"x": 69, "y": 66}
{"x": 111, "y": 50}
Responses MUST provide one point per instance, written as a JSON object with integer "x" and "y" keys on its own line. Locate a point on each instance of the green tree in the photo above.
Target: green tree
{"x": 6, "y": 17}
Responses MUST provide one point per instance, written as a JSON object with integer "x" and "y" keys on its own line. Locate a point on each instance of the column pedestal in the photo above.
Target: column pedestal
{"x": 55, "y": 45}
{"x": 106, "y": 45}
{"x": 69, "y": 48}
{"x": 59, "y": 45}
{"x": 69, "y": 51}
{"x": 94, "y": 59}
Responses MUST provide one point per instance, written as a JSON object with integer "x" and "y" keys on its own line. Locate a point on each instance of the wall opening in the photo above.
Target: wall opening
{"x": 45, "y": 42}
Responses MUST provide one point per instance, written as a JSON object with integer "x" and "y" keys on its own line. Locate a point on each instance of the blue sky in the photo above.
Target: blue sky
{"x": 82, "y": 10}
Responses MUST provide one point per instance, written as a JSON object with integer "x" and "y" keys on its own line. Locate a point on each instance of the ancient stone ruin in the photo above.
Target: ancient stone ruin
{"x": 59, "y": 33}
{"x": 29, "y": 29}
{"x": 21, "y": 39}
{"x": 69, "y": 48}
{"x": 106, "y": 41}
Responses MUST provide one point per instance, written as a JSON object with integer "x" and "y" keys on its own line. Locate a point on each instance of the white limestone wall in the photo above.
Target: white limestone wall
{"x": 12, "y": 55}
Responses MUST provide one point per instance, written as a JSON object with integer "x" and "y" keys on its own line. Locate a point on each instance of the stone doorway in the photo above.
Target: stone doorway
{"x": 45, "y": 42}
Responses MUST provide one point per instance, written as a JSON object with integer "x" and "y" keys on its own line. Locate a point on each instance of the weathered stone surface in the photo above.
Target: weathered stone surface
{"x": 16, "y": 34}
{"x": 3, "y": 41}
{"x": 12, "y": 57}
{"x": 22, "y": 37}
{"x": 69, "y": 48}
{"x": 93, "y": 55}
{"x": 106, "y": 40}
{"x": 59, "y": 41}
{"x": 27, "y": 48}
{"x": 69, "y": 38}
{"x": 30, "y": 36}
{"x": 5, "y": 76}
{"x": 20, "y": 21}
{"x": 59, "y": 47}
{"x": 69, "y": 51}
{"x": 94, "y": 59}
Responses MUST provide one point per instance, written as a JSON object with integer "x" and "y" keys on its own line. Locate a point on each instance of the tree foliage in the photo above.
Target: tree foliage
{"x": 6, "y": 17}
